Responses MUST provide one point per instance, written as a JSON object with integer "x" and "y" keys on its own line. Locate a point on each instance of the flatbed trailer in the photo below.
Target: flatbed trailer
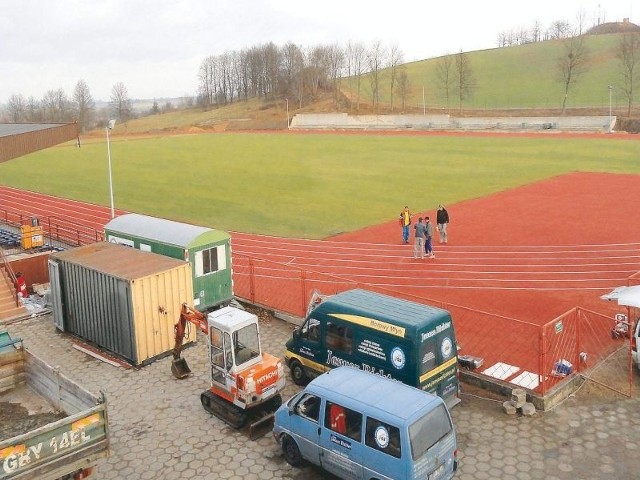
{"x": 68, "y": 446}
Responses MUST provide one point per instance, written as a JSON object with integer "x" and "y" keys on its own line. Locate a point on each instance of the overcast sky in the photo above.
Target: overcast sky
{"x": 155, "y": 47}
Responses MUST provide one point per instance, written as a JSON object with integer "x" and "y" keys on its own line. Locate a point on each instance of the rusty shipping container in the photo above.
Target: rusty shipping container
{"x": 121, "y": 299}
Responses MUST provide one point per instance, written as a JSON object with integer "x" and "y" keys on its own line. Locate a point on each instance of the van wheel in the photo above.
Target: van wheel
{"x": 297, "y": 373}
{"x": 291, "y": 451}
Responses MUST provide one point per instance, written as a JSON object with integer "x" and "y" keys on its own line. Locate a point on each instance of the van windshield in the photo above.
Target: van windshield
{"x": 428, "y": 430}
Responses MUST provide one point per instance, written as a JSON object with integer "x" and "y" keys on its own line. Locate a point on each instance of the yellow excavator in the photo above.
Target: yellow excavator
{"x": 246, "y": 383}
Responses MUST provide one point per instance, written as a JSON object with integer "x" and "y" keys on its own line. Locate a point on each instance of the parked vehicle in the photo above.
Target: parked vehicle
{"x": 68, "y": 448}
{"x": 245, "y": 381}
{"x": 391, "y": 337}
{"x": 357, "y": 425}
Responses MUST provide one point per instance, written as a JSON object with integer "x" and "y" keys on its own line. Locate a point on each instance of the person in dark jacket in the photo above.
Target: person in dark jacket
{"x": 442, "y": 219}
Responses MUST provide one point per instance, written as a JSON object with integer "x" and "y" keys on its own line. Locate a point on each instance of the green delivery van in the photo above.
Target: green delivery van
{"x": 380, "y": 334}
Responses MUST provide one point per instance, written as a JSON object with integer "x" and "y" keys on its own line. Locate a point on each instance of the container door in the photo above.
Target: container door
{"x": 56, "y": 295}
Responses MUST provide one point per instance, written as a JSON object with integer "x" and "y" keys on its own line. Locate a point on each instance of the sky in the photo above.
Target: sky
{"x": 155, "y": 47}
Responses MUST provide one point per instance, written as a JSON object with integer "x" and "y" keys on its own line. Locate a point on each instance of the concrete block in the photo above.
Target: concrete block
{"x": 528, "y": 409}
{"x": 518, "y": 397}
{"x": 508, "y": 408}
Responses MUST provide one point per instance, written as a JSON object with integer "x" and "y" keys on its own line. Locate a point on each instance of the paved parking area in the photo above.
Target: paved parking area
{"x": 160, "y": 431}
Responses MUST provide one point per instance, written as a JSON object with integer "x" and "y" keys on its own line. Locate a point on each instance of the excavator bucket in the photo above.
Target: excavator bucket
{"x": 180, "y": 369}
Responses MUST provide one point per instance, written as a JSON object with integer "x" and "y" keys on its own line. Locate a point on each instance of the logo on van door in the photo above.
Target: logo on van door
{"x": 446, "y": 348}
{"x": 398, "y": 358}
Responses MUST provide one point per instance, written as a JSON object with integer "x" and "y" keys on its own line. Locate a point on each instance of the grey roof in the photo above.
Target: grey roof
{"x": 8, "y": 129}
{"x": 160, "y": 229}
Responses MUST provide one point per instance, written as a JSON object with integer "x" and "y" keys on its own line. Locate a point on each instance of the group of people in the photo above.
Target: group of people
{"x": 423, "y": 244}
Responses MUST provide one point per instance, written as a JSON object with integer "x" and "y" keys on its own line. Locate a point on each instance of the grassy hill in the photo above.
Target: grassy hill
{"x": 518, "y": 77}
{"x": 519, "y": 80}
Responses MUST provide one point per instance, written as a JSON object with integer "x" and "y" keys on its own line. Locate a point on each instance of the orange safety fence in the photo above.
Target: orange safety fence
{"x": 519, "y": 353}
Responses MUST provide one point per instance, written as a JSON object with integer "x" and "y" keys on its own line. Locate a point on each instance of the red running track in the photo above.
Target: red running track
{"x": 530, "y": 253}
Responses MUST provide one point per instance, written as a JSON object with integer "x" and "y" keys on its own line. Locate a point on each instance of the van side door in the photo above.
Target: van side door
{"x": 305, "y": 426}
{"x": 341, "y": 448}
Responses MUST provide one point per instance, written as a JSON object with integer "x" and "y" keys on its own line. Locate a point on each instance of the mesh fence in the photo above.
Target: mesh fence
{"x": 519, "y": 353}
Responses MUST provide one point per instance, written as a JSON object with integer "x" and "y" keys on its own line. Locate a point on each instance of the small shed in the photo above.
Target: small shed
{"x": 207, "y": 250}
{"x": 121, "y": 299}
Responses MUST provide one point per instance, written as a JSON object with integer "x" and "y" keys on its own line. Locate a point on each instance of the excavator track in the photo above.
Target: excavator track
{"x": 236, "y": 416}
{"x": 224, "y": 410}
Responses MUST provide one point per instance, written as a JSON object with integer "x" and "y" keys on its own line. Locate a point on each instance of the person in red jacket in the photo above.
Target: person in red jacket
{"x": 21, "y": 285}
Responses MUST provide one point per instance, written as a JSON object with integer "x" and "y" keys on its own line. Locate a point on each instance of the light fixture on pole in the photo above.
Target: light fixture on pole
{"x": 109, "y": 128}
{"x": 610, "y": 118}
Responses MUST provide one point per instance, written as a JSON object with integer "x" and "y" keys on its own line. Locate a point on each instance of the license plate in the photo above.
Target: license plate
{"x": 437, "y": 472}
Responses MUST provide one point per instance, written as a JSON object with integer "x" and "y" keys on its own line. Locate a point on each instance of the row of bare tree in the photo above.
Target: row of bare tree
{"x": 56, "y": 107}
{"x": 300, "y": 74}
{"x": 558, "y": 29}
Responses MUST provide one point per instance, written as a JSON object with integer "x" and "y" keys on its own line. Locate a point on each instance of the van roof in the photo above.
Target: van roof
{"x": 387, "y": 398}
{"x": 403, "y": 313}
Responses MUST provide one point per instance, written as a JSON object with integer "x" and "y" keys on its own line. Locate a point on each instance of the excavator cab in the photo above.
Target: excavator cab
{"x": 245, "y": 382}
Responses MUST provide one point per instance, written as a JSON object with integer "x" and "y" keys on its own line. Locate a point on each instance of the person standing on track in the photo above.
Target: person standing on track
{"x": 405, "y": 221}
{"x": 418, "y": 246}
{"x": 442, "y": 219}
{"x": 428, "y": 244}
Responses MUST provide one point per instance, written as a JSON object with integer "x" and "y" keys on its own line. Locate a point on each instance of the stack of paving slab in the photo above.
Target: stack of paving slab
{"x": 518, "y": 403}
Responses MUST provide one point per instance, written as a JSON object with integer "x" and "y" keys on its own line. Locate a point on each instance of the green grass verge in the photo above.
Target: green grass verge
{"x": 305, "y": 185}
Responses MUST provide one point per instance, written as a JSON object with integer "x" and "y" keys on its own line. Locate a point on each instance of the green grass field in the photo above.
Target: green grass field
{"x": 307, "y": 185}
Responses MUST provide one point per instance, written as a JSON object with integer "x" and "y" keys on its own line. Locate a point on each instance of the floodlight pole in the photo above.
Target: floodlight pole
{"x": 110, "y": 125}
{"x": 287, "y": 113}
{"x": 610, "y": 117}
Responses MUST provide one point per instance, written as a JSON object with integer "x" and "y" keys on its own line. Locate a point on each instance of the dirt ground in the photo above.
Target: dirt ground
{"x": 22, "y": 409}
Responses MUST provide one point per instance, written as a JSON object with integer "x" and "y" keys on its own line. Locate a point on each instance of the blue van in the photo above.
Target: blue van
{"x": 358, "y": 425}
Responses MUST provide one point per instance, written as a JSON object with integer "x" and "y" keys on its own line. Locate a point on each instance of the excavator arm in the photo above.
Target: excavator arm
{"x": 179, "y": 366}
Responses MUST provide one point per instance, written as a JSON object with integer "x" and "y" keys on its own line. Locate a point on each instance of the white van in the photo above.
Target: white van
{"x": 359, "y": 425}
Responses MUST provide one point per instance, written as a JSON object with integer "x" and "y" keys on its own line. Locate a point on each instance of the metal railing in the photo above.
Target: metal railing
{"x": 12, "y": 276}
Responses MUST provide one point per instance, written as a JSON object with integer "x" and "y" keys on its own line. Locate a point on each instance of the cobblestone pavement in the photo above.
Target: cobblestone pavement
{"x": 160, "y": 431}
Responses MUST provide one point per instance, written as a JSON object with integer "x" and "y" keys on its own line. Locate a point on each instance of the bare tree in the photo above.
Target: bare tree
{"x": 581, "y": 20}
{"x": 464, "y": 78}
{"x": 444, "y": 74}
{"x": 559, "y": 29}
{"x": 207, "y": 82}
{"x": 356, "y": 55}
{"x": 292, "y": 66}
{"x": 16, "y": 108}
{"x": 33, "y": 110}
{"x": 396, "y": 58}
{"x": 317, "y": 69}
{"x": 335, "y": 57}
{"x": 536, "y": 31}
{"x": 571, "y": 64}
{"x": 375, "y": 60}
{"x": 120, "y": 103}
{"x": 404, "y": 86}
{"x": 49, "y": 106}
{"x": 628, "y": 54}
{"x": 83, "y": 105}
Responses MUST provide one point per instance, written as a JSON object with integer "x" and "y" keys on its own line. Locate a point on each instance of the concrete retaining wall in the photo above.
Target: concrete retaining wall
{"x": 342, "y": 121}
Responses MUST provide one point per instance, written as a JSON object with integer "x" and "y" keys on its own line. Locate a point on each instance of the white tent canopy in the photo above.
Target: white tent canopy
{"x": 626, "y": 296}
